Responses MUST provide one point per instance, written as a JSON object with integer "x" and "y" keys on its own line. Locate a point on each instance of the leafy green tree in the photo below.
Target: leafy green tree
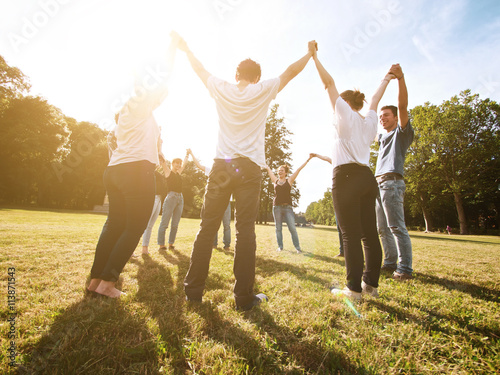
{"x": 76, "y": 179}
{"x": 32, "y": 135}
{"x": 321, "y": 212}
{"x": 277, "y": 144}
{"x": 194, "y": 182}
{"x": 456, "y": 151}
{"x": 13, "y": 83}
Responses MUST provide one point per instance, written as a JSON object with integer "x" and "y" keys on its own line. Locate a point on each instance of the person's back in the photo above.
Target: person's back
{"x": 242, "y": 117}
{"x": 240, "y": 153}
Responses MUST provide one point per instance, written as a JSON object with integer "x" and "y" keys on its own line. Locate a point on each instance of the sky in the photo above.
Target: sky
{"x": 82, "y": 56}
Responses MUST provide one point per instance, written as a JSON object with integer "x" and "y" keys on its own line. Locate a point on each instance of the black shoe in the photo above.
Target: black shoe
{"x": 257, "y": 300}
{"x": 339, "y": 255}
{"x": 193, "y": 300}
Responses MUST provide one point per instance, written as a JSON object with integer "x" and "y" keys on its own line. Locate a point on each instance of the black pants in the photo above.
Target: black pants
{"x": 131, "y": 194}
{"x": 354, "y": 191}
{"x": 241, "y": 178}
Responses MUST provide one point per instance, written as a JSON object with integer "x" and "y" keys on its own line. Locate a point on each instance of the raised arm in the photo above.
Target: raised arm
{"x": 294, "y": 175}
{"x": 293, "y": 70}
{"x": 196, "y": 162}
{"x": 325, "y": 158}
{"x": 164, "y": 166}
{"x": 327, "y": 80}
{"x": 271, "y": 174}
{"x": 402, "y": 95}
{"x": 380, "y": 91}
{"x": 184, "y": 163}
{"x": 195, "y": 63}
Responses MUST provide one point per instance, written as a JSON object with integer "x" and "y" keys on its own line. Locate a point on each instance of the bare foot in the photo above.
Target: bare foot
{"x": 94, "y": 283}
{"x": 107, "y": 288}
{"x": 145, "y": 250}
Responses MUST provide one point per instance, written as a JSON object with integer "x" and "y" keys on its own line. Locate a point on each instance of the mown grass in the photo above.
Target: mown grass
{"x": 445, "y": 321}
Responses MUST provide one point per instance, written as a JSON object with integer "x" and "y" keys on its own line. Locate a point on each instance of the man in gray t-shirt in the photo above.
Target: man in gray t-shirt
{"x": 393, "y": 145}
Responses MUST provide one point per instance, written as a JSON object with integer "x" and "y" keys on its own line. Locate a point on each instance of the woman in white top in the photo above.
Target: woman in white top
{"x": 130, "y": 184}
{"x": 354, "y": 188}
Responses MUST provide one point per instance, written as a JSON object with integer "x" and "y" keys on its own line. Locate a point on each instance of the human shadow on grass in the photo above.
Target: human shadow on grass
{"x": 434, "y": 321}
{"x": 92, "y": 336}
{"x": 160, "y": 291}
{"x": 473, "y": 290}
{"x": 277, "y": 349}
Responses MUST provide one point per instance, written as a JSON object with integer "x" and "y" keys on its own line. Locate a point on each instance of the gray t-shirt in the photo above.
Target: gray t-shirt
{"x": 392, "y": 150}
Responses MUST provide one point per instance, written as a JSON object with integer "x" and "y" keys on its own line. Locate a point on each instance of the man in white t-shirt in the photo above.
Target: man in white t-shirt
{"x": 242, "y": 109}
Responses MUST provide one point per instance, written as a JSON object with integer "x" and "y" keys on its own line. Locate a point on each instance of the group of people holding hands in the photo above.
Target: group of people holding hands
{"x": 361, "y": 199}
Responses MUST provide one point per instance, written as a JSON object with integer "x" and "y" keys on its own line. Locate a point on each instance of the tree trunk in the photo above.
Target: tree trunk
{"x": 429, "y": 225}
{"x": 461, "y": 213}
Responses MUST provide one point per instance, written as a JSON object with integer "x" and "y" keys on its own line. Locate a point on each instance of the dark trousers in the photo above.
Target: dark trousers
{"x": 241, "y": 178}
{"x": 354, "y": 191}
{"x": 131, "y": 194}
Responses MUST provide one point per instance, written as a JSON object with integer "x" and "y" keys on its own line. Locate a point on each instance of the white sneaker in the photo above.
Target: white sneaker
{"x": 279, "y": 249}
{"x": 370, "y": 290}
{"x": 346, "y": 292}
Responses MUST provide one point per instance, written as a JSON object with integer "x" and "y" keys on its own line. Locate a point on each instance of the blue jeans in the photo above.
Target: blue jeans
{"x": 152, "y": 220}
{"x": 226, "y": 223}
{"x": 391, "y": 225}
{"x": 286, "y": 213}
{"x": 172, "y": 209}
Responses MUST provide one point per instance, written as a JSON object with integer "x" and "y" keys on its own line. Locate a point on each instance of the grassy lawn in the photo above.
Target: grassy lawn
{"x": 445, "y": 321}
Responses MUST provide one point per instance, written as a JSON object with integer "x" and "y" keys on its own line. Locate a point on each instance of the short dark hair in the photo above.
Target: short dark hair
{"x": 393, "y": 109}
{"x": 177, "y": 160}
{"x": 354, "y": 98}
{"x": 248, "y": 70}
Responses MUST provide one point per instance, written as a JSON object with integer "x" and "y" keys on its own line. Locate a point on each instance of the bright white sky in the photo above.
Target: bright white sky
{"x": 81, "y": 56}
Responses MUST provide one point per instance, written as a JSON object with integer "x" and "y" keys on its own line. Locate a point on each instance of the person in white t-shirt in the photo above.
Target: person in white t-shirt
{"x": 242, "y": 109}
{"x": 354, "y": 188}
{"x": 130, "y": 182}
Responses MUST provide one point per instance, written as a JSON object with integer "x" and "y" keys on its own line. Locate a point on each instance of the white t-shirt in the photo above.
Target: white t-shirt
{"x": 137, "y": 132}
{"x": 352, "y": 135}
{"x": 242, "y": 117}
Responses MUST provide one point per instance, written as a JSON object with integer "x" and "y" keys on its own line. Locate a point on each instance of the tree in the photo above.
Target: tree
{"x": 32, "y": 135}
{"x": 456, "y": 150}
{"x": 13, "y": 83}
{"x": 321, "y": 212}
{"x": 193, "y": 189}
{"x": 76, "y": 179}
{"x": 277, "y": 144}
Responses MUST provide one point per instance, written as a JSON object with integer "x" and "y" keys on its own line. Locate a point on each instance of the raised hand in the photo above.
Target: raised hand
{"x": 312, "y": 46}
{"x": 396, "y": 71}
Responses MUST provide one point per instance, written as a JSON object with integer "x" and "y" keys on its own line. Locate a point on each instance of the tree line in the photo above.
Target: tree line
{"x": 51, "y": 160}
{"x": 452, "y": 168}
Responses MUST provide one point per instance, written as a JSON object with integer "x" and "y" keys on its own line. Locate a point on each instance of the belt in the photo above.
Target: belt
{"x": 389, "y": 177}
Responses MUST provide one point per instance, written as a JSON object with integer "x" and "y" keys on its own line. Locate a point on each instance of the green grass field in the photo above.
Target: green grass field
{"x": 445, "y": 321}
